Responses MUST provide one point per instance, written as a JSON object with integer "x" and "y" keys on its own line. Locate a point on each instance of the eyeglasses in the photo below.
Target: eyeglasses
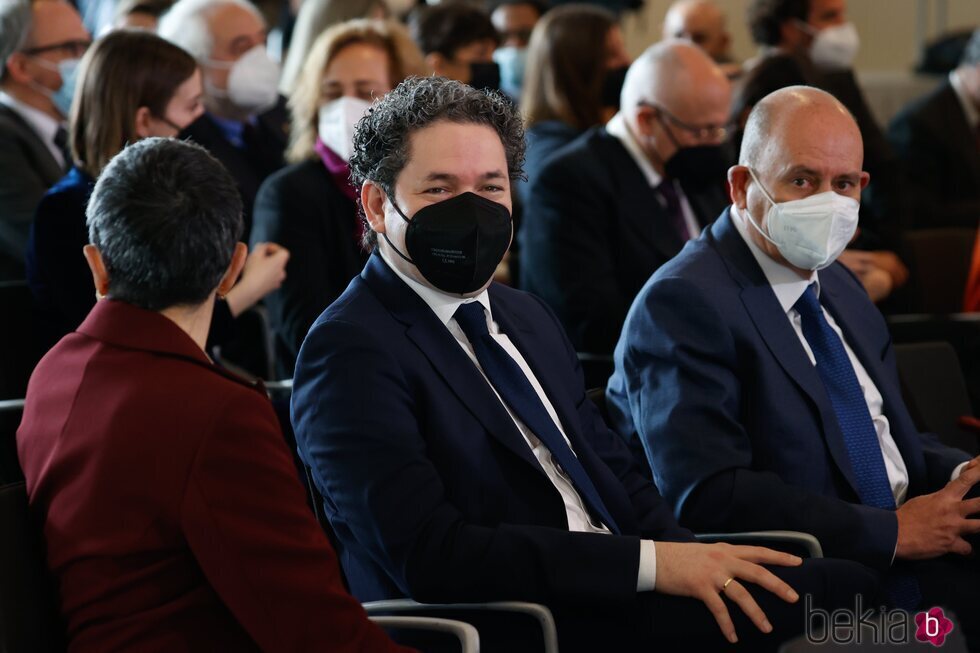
{"x": 75, "y": 48}
{"x": 701, "y": 133}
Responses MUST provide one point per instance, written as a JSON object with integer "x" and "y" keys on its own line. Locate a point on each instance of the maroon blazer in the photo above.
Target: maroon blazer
{"x": 172, "y": 514}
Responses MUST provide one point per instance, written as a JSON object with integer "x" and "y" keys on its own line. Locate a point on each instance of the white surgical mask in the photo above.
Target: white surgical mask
{"x": 811, "y": 232}
{"x": 253, "y": 83}
{"x": 337, "y": 121}
{"x": 835, "y": 48}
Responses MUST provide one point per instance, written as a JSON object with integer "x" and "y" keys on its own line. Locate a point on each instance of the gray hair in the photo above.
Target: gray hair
{"x": 15, "y": 24}
{"x": 186, "y": 24}
{"x": 381, "y": 139}
{"x": 166, "y": 216}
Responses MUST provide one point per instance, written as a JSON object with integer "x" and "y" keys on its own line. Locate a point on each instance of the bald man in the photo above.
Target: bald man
{"x": 758, "y": 380}
{"x": 40, "y": 43}
{"x": 620, "y": 201}
{"x": 703, "y": 23}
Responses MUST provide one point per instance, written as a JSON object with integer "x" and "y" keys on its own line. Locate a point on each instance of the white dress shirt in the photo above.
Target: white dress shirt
{"x": 444, "y": 305}
{"x": 788, "y": 288}
{"x": 44, "y": 125}
{"x": 617, "y": 127}
{"x": 966, "y": 103}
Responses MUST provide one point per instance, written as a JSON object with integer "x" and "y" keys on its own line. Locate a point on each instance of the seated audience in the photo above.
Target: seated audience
{"x": 576, "y": 65}
{"x": 310, "y": 207}
{"x": 810, "y": 42}
{"x": 446, "y": 422}
{"x": 132, "y": 84}
{"x": 312, "y": 20}
{"x": 937, "y": 138}
{"x": 245, "y": 122}
{"x": 514, "y": 21}
{"x": 170, "y": 510}
{"x": 458, "y": 41}
{"x": 760, "y": 380}
{"x": 40, "y": 45}
{"x": 617, "y": 203}
{"x": 703, "y": 23}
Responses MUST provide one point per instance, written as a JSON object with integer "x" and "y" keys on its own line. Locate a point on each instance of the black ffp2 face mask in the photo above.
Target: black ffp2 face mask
{"x": 700, "y": 167}
{"x": 457, "y": 244}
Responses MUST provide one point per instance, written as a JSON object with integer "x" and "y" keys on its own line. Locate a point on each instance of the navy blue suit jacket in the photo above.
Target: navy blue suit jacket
{"x": 430, "y": 487}
{"x": 712, "y": 381}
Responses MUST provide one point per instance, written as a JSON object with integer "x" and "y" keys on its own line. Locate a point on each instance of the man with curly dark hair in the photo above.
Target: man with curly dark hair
{"x": 445, "y": 420}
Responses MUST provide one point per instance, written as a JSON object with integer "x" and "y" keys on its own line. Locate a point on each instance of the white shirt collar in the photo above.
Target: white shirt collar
{"x": 618, "y": 127}
{"x": 45, "y": 126}
{"x": 786, "y": 284}
{"x": 969, "y": 109}
{"x": 443, "y": 304}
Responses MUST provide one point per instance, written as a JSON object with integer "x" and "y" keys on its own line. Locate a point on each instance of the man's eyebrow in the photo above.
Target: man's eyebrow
{"x": 448, "y": 176}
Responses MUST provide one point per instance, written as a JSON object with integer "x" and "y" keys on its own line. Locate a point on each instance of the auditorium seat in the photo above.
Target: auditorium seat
{"x": 17, "y": 348}
{"x": 939, "y": 262}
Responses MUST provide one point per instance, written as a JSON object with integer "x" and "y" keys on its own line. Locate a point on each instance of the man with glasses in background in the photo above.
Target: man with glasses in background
{"x": 40, "y": 46}
{"x": 620, "y": 201}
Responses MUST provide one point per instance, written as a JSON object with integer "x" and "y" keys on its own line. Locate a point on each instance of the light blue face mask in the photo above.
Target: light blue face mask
{"x": 68, "y": 70}
{"x": 512, "y": 61}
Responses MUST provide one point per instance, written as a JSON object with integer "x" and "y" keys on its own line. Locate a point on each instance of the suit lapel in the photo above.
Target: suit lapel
{"x": 634, "y": 191}
{"x": 778, "y": 334}
{"x": 448, "y": 359}
{"x": 857, "y": 328}
{"x": 49, "y": 169}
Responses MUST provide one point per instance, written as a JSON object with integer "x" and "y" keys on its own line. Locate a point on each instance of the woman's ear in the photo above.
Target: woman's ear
{"x": 100, "y": 276}
{"x": 373, "y": 200}
{"x": 141, "y": 122}
{"x": 234, "y": 269}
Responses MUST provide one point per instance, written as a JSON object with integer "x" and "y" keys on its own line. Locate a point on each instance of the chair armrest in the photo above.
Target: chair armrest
{"x": 469, "y": 638}
{"x": 804, "y": 540}
{"x": 534, "y": 610}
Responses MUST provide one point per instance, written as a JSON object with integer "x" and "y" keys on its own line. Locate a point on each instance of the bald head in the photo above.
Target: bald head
{"x": 799, "y": 141}
{"x": 701, "y": 22}
{"x": 798, "y": 116}
{"x": 679, "y": 77}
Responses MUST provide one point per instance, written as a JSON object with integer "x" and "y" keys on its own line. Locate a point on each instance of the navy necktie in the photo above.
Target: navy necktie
{"x": 517, "y": 392}
{"x": 854, "y": 418}
{"x": 672, "y": 201}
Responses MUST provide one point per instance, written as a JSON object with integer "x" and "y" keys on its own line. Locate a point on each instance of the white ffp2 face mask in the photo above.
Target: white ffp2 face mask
{"x": 337, "y": 121}
{"x": 253, "y": 83}
{"x": 811, "y": 232}
{"x": 835, "y": 48}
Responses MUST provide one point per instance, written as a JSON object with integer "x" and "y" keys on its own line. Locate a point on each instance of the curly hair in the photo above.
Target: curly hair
{"x": 381, "y": 138}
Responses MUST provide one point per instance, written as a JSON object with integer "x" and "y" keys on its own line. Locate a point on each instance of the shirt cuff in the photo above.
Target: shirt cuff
{"x": 647, "y": 578}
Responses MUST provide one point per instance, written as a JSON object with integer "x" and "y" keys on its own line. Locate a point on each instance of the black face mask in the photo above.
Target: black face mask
{"x": 485, "y": 76}
{"x": 612, "y": 87}
{"x": 700, "y": 167}
{"x": 457, "y": 244}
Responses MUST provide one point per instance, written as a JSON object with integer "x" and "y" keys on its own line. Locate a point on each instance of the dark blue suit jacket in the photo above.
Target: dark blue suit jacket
{"x": 713, "y": 382}
{"x": 429, "y": 485}
{"x": 594, "y": 231}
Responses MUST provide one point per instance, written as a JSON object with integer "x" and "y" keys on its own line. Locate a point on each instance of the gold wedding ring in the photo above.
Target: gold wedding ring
{"x": 725, "y": 586}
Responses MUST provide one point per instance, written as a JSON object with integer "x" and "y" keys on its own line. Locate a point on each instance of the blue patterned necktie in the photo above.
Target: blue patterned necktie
{"x": 517, "y": 392}
{"x": 854, "y": 419}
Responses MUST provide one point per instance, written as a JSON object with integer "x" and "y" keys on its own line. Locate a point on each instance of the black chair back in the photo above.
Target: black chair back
{"x": 940, "y": 263}
{"x": 29, "y": 619}
{"x": 935, "y": 391}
